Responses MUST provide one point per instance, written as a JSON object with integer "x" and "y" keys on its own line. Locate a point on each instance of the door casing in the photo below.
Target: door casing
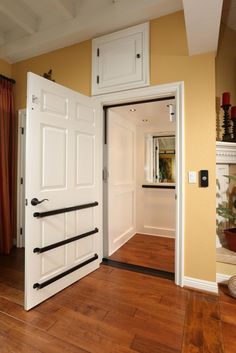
{"x": 20, "y": 235}
{"x": 153, "y": 92}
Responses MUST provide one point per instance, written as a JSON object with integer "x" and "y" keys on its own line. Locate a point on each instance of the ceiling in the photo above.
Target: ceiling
{"x": 150, "y": 114}
{"x": 32, "y": 27}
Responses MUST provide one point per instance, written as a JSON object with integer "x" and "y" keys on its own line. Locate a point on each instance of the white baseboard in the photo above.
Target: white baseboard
{"x": 220, "y": 277}
{"x": 201, "y": 284}
{"x": 156, "y": 235}
{"x": 121, "y": 240}
{"x": 165, "y": 232}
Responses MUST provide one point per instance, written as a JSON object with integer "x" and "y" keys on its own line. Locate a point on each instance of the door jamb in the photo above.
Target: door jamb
{"x": 20, "y": 230}
{"x": 154, "y": 92}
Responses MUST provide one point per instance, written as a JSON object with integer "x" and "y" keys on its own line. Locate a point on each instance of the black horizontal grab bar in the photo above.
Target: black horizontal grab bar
{"x": 63, "y": 274}
{"x": 64, "y": 242}
{"x": 64, "y": 210}
{"x": 151, "y": 186}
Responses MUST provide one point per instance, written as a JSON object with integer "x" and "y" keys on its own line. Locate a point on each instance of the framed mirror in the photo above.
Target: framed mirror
{"x": 159, "y": 159}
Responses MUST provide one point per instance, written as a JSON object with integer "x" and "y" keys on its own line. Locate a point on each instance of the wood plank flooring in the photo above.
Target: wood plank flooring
{"x": 228, "y": 318}
{"x": 203, "y": 331}
{"x": 149, "y": 251}
{"x": 12, "y": 276}
{"x": 117, "y": 311}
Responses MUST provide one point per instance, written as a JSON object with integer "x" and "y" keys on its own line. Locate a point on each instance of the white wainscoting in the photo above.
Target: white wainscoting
{"x": 122, "y": 180}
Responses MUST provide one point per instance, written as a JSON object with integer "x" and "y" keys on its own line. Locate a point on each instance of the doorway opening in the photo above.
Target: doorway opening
{"x": 167, "y": 91}
{"x": 12, "y": 263}
{"x": 140, "y": 96}
{"x": 139, "y": 185}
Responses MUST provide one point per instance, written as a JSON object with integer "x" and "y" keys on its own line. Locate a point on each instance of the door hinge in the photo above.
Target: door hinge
{"x": 22, "y": 131}
{"x": 98, "y": 52}
{"x": 22, "y": 180}
{"x": 105, "y": 174}
{"x": 26, "y": 202}
{"x": 21, "y": 231}
{"x": 97, "y": 79}
{"x": 35, "y": 99}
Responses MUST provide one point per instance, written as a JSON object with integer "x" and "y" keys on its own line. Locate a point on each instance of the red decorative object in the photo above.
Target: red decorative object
{"x": 233, "y": 112}
{"x": 226, "y": 98}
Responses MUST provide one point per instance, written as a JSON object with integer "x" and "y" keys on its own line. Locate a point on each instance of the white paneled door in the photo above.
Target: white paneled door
{"x": 121, "y": 180}
{"x": 63, "y": 212}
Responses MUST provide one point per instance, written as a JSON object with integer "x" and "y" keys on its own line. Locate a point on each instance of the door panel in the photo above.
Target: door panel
{"x": 54, "y": 157}
{"x": 63, "y": 165}
{"x": 121, "y": 181}
{"x": 120, "y": 60}
{"x": 84, "y": 167}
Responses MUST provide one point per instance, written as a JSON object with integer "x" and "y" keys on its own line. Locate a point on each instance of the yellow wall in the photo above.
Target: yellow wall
{"x": 225, "y": 70}
{"x": 169, "y": 63}
{"x": 71, "y": 67}
{"x": 226, "y": 63}
{"x": 5, "y": 68}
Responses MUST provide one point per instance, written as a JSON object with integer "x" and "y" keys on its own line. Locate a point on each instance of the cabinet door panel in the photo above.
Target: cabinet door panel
{"x": 120, "y": 60}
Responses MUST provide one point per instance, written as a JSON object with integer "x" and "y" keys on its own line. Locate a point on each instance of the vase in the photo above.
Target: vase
{"x": 230, "y": 235}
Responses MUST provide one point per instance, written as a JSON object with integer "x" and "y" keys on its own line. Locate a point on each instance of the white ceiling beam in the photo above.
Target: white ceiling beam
{"x": 90, "y": 22}
{"x": 202, "y": 20}
{"x": 17, "y": 12}
{"x": 66, "y": 8}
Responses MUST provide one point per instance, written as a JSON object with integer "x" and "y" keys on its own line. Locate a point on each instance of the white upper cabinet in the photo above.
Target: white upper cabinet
{"x": 121, "y": 60}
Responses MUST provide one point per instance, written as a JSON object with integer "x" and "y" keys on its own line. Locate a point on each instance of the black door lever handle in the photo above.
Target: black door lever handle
{"x": 35, "y": 201}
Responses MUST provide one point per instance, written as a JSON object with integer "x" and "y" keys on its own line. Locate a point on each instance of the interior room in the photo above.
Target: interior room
{"x": 140, "y": 184}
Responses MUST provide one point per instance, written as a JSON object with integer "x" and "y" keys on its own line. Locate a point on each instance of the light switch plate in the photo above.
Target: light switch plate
{"x": 192, "y": 177}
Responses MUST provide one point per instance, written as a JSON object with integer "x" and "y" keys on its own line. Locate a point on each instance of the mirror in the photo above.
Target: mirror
{"x": 159, "y": 159}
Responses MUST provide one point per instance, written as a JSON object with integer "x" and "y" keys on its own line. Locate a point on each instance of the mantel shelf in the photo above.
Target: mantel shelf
{"x": 225, "y": 152}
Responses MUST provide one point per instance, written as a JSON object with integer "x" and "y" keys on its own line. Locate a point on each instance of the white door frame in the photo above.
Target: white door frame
{"x": 153, "y": 92}
{"x": 20, "y": 234}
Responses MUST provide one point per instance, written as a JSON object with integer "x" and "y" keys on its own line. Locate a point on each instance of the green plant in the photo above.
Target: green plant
{"x": 227, "y": 210}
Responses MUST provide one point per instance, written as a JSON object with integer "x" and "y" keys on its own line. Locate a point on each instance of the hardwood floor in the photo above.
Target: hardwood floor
{"x": 203, "y": 331}
{"x": 12, "y": 276}
{"x": 228, "y": 318}
{"x": 118, "y": 311}
{"x": 148, "y": 251}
